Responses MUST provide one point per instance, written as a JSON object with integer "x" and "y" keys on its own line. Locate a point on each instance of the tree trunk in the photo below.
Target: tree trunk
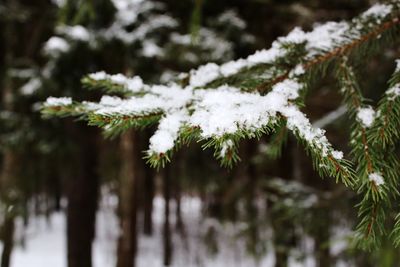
{"x": 8, "y": 241}
{"x": 148, "y": 201}
{"x": 179, "y": 163}
{"x": 82, "y": 196}
{"x": 251, "y": 195}
{"x": 322, "y": 239}
{"x": 167, "y": 227}
{"x": 127, "y": 242}
{"x": 9, "y": 193}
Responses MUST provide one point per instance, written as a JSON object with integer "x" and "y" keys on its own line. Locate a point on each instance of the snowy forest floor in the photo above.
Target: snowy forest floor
{"x": 43, "y": 244}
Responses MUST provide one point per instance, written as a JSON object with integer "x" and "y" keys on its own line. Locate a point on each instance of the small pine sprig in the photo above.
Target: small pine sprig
{"x": 375, "y": 174}
{"x": 117, "y": 84}
{"x": 386, "y": 129}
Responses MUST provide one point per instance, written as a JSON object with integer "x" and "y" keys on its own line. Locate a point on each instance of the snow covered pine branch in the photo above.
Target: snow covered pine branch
{"x": 245, "y": 98}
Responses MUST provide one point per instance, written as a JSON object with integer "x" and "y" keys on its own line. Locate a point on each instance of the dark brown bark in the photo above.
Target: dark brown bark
{"x": 82, "y": 196}
{"x": 167, "y": 226}
{"x": 127, "y": 242}
{"x": 8, "y": 240}
{"x": 9, "y": 193}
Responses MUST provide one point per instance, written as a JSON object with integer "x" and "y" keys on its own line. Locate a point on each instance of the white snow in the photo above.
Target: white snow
{"x": 77, "y": 32}
{"x": 378, "y": 11}
{"x": 217, "y": 112}
{"x": 231, "y": 18}
{"x": 204, "y": 74}
{"x": 58, "y": 101}
{"x": 366, "y": 116}
{"x": 232, "y": 67}
{"x": 31, "y": 86}
{"x": 151, "y": 49}
{"x": 101, "y": 75}
{"x": 376, "y": 178}
{"x": 45, "y": 244}
{"x": 56, "y": 45}
{"x": 337, "y": 154}
{"x": 59, "y": 3}
{"x": 228, "y": 144}
{"x": 132, "y": 84}
{"x": 264, "y": 56}
{"x": 167, "y": 132}
{"x": 397, "y": 65}
{"x": 298, "y": 70}
{"x": 394, "y": 91}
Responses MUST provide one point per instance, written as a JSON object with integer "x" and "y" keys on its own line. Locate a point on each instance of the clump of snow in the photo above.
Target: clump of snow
{"x": 58, "y": 101}
{"x": 226, "y": 146}
{"x": 151, "y": 49}
{"x": 226, "y": 110}
{"x": 31, "y": 86}
{"x": 378, "y": 11}
{"x": 265, "y": 56}
{"x": 337, "y": 154}
{"x": 204, "y": 74}
{"x": 230, "y": 17}
{"x": 297, "y": 71}
{"x": 126, "y": 11}
{"x": 394, "y": 91}
{"x": 77, "y": 32}
{"x": 97, "y": 76}
{"x": 296, "y": 36}
{"x": 158, "y": 99}
{"x": 376, "y": 178}
{"x": 55, "y": 46}
{"x": 111, "y": 101}
{"x": 397, "y": 65}
{"x": 167, "y": 132}
{"x": 232, "y": 67}
{"x": 223, "y": 110}
{"x": 327, "y": 36}
{"x": 366, "y": 116}
{"x": 118, "y": 78}
{"x": 59, "y": 3}
{"x": 133, "y": 84}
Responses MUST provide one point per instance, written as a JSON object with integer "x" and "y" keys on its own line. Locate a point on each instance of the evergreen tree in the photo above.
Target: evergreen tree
{"x": 265, "y": 93}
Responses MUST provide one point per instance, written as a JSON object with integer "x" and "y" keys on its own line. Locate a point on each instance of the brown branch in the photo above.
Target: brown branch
{"x": 107, "y": 119}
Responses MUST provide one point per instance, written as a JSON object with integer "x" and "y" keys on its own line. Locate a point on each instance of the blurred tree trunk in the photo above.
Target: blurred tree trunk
{"x": 8, "y": 243}
{"x": 9, "y": 193}
{"x": 130, "y": 152}
{"x": 9, "y": 196}
{"x": 149, "y": 188}
{"x": 167, "y": 226}
{"x": 251, "y": 194}
{"x": 322, "y": 238}
{"x": 82, "y": 196}
{"x": 283, "y": 227}
{"x": 180, "y": 166}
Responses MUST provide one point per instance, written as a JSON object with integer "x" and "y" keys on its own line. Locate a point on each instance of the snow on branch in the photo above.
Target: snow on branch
{"x": 209, "y": 106}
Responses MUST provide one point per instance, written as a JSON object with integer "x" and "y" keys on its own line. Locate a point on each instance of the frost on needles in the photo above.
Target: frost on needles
{"x": 245, "y": 98}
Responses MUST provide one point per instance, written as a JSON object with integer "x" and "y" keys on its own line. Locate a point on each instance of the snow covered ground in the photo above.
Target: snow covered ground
{"x": 45, "y": 246}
